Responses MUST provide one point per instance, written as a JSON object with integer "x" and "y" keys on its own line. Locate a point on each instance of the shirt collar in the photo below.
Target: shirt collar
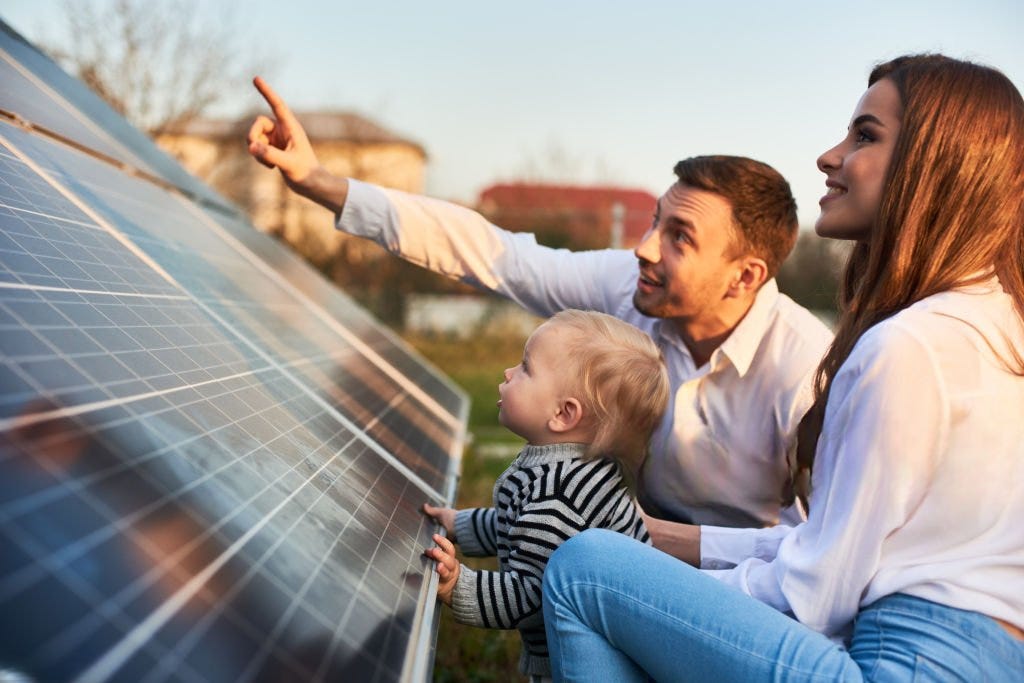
{"x": 532, "y": 456}
{"x": 740, "y": 346}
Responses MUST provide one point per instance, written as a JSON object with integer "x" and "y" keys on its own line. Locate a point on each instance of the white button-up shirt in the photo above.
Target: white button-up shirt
{"x": 918, "y": 478}
{"x": 719, "y": 455}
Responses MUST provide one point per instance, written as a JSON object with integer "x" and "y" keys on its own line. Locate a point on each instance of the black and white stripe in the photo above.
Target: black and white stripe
{"x": 548, "y": 494}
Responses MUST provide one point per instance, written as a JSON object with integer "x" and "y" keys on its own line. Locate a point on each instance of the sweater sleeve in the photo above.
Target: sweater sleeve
{"x": 476, "y": 532}
{"x": 512, "y": 598}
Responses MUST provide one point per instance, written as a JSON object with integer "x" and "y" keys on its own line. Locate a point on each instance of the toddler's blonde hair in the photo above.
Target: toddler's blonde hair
{"x": 620, "y": 378}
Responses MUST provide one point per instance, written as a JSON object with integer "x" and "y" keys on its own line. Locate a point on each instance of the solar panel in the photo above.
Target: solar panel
{"x": 211, "y": 460}
{"x": 38, "y": 92}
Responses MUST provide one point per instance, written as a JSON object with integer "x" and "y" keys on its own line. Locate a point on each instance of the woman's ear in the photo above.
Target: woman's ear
{"x": 567, "y": 417}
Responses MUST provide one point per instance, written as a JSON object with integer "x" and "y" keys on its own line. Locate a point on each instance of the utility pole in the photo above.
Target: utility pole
{"x": 618, "y": 229}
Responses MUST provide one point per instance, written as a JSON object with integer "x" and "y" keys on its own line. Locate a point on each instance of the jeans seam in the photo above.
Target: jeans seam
{"x": 787, "y": 667}
{"x": 881, "y": 646}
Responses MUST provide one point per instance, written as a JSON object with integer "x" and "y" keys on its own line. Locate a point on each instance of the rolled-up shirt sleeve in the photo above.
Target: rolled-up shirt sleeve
{"x": 461, "y": 244}
{"x": 726, "y": 547}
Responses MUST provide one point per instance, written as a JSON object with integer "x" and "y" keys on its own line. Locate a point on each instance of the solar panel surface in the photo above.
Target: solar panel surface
{"x": 41, "y": 94}
{"x": 211, "y": 461}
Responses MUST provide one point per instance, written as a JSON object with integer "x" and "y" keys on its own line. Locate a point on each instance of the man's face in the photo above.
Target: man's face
{"x": 687, "y": 258}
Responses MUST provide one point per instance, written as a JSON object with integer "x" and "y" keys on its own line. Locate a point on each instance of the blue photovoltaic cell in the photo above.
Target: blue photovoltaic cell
{"x": 343, "y": 309}
{"x": 258, "y": 305}
{"x": 211, "y": 462}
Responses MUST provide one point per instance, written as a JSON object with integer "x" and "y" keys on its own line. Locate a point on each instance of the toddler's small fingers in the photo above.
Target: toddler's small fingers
{"x": 444, "y": 544}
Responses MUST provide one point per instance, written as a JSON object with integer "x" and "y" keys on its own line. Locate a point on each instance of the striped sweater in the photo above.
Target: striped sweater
{"x": 548, "y": 494}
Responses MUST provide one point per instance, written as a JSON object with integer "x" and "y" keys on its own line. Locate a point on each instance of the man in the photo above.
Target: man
{"x": 740, "y": 355}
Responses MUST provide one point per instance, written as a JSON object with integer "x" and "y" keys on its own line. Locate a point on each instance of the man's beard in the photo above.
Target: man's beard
{"x": 651, "y": 311}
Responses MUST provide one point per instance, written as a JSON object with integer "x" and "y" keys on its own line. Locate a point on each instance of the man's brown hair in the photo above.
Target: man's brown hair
{"x": 763, "y": 208}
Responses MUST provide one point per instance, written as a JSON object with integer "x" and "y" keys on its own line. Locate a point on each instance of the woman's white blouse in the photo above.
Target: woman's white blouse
{"x": 918, "y": 483}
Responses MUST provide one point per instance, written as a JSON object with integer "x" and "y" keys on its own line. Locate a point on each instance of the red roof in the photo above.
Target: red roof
{"x": 581, "y": 215}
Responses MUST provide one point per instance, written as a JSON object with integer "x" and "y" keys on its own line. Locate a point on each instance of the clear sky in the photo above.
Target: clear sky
{"x": 596, "y": 90}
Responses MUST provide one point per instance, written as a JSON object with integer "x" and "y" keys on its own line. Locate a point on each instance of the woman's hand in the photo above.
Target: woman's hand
{"x": 679, "y": 540}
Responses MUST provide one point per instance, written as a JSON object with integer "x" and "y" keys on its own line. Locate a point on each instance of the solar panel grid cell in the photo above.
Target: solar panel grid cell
{"x": 344, "y": 312}
{"x": 287, "y": 329}
{"x": 22, "y": 94}
{"x": 214, "y": 472}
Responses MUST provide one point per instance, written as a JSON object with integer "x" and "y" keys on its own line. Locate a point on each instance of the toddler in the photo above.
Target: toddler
{"x": 586, "y": 397}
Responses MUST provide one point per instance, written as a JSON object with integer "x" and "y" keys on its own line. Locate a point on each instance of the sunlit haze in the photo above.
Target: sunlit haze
{"x": 599, "y": 91}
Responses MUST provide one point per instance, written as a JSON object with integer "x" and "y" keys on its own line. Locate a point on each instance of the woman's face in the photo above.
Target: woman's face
{"x": 855, "y": 168}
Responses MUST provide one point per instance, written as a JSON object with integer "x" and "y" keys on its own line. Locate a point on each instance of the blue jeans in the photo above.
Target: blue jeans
{"x": 617, "y": 610}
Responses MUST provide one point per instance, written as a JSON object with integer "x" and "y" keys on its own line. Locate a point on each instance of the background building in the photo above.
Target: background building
{"x": 577, "y": 217}
{"x": 346, "y": 143}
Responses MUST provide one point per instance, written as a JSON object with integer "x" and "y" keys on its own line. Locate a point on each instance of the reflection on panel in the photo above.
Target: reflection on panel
{"x": 40, "y": 93}
{"x": 211, "y": 462}
{"x": 345, "y": 311}
{"x": 230, "y": 546}
{"x": 259, "y": 307}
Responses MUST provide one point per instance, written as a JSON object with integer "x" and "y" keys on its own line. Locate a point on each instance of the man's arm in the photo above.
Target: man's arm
{"x": 445, "y": 238}
{"x": 280, "y": 142}
{"x": 463, "y": 245}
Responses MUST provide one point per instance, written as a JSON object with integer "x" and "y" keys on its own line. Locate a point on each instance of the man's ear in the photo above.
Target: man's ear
{"x": 568, "y": 416}
{"x": 751, "y": 273}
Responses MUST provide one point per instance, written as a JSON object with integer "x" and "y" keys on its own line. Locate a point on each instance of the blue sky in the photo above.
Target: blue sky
{"x": 597, "y": 91}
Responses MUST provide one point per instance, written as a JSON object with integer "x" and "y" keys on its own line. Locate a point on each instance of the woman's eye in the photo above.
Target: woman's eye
{"x": 864, "y": 136}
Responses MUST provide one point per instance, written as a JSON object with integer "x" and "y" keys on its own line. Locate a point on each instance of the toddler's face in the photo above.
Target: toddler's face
{"x": 533, "y": 390}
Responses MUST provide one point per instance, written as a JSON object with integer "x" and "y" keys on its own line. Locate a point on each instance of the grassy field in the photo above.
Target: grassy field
{"x": 466, "y": 654}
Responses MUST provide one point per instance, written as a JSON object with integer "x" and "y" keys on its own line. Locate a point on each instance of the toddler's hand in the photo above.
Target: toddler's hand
{"x": 447, "y": 567}
{"x": 443, "y": 516}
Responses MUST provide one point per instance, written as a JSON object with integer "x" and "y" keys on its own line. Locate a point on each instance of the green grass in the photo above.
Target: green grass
{"x": 466, "y": 654}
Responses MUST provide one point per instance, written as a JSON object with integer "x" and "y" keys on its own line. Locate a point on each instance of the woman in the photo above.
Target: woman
{"x": 911, "y": 563}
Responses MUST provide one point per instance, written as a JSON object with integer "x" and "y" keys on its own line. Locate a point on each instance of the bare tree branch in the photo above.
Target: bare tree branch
{"x": 159, "y": 63}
